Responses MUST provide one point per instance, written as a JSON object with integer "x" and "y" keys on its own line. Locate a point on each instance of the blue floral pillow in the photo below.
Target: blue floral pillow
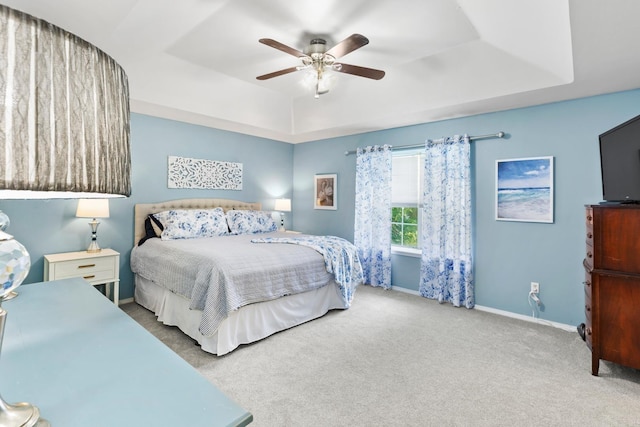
{"x": 250, "y": 222}
{"x": 192, "y": 223}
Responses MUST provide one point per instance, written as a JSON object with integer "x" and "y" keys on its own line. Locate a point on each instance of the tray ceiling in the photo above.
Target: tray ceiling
{"x": 197, "y": 60}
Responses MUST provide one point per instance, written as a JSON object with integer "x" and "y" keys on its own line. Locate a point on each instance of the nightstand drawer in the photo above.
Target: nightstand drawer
{"x": 93, "y": 277}
{"x": 86, "y": 268}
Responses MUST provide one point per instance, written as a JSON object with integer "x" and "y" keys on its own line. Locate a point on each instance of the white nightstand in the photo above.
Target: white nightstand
{"x": 99, "y": 268}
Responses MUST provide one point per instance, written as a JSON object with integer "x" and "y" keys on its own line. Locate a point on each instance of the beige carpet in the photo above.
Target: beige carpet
{"x": 395, "y": 359}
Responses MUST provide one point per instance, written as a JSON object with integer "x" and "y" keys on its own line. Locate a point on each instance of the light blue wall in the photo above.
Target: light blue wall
{"x": 50, "y": 226}
{"x": 508, "y": 255}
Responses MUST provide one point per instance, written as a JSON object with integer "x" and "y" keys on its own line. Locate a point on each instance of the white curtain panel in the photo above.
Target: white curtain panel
{"x": 372, "y": 231}
{"x": 446, "y": 271}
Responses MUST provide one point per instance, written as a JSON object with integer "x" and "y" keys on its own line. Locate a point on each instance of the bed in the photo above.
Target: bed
{"x": 227, "y": 290}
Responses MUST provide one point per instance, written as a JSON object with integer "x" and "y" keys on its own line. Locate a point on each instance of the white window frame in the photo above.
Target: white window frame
{"x": 405, "y": 250}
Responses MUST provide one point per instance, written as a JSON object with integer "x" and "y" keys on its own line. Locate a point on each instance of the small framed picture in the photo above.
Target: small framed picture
{"x": 325, "y": 190}
{"x": 524, "y": 189}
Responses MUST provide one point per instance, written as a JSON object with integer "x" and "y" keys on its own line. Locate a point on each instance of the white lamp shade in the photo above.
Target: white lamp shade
{"x": 283, "y": 205}
{"x": 93, "y": 208}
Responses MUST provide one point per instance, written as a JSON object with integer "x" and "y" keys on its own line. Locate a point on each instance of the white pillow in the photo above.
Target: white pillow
{"x": 250, "y": 222}
{"x": 192, "y": 223}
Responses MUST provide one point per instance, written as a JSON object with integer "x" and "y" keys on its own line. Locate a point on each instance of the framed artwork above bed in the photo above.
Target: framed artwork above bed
{"x": 326, "y": 192}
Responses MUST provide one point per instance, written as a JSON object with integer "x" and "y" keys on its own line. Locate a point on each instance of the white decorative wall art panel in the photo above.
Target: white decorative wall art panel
{"x": 205, "y": 174}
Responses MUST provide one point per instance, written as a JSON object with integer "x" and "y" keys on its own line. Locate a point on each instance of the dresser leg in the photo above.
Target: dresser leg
{"x": 595, "y": 365}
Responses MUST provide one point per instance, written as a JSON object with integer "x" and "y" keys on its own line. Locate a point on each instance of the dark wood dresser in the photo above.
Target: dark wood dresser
{"x": 612, "y": 284}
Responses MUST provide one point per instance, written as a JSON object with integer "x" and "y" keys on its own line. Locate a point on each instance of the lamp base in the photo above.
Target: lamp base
{"x": 93, "y": 246}
{"x": 18, "y": 414}
{"x": 7, "y": 297}
{"x": 21, "y": 415}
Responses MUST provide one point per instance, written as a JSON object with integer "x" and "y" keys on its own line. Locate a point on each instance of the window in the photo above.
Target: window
{"x": 404, "y": 226}
{"x": 406, "y": 189}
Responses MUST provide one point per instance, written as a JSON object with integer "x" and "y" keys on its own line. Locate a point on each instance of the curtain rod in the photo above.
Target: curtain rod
{"x": 437, "y": 141}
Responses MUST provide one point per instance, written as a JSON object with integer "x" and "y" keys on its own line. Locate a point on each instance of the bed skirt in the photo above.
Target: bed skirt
{"x": 246, "y": 325}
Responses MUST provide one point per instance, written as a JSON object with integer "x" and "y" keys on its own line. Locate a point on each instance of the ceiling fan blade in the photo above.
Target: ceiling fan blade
{"x": 348, "y": 45}
{"x": 369, "y": 73}
{"x": 277, "y": 73}
{"x": 282, "y": 47}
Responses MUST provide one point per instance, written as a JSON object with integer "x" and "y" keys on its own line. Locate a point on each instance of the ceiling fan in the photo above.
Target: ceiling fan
{"x": 318, "y": 59}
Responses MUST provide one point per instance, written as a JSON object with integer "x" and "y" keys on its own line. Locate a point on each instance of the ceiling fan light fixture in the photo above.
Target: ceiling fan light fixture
{"x": 320, "y": 81}
{"x": 321, "y": 62}
{"x": 324, "y": 83}
{"x": 316, "y": 47}
{"x": 328, "y": 60}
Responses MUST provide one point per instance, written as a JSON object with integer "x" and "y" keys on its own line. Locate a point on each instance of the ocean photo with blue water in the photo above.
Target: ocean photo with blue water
{"x": 525, "y": 190}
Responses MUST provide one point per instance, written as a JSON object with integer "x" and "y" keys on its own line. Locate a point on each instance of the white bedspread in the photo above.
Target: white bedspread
{"x": 221, "y": 274}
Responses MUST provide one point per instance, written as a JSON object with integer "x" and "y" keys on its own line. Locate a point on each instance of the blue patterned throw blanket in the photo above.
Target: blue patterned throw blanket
{"x": 340, "y": 258}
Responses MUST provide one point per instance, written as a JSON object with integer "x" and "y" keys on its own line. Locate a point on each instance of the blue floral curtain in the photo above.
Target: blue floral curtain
{"x": 372, "y": 231}
{"x": 446, "y": 269}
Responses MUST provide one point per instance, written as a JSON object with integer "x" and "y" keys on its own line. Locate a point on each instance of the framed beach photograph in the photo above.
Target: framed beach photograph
{"x": 325, "y": 190}
{"x": 524, "y": 189}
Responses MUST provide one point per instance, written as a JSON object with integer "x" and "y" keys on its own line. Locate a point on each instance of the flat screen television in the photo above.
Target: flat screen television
{"x": 620, "y": 162}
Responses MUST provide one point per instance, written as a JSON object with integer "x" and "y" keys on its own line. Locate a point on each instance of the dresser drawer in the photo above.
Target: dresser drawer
{"x": 588, "y": 315}
{"x": 588, "y": 287}
{"x": 588, "y": 307}
{"x": 589, "y": 237}
{"x": 589, "y": 255}
{"x": 589, "y": 217}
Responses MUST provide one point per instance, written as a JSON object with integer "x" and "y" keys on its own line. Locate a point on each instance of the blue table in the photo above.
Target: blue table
{"x": 83, "y": 362}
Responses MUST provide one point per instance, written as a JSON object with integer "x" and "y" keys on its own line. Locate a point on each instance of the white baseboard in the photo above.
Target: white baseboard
{"x": 563, "y": 326}
{"x": 405, "y": 290}
{"x": 125, "y": 301}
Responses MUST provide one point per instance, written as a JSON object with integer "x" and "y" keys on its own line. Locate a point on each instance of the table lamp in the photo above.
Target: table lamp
{"x": 282, "y": 205}
{"x": 93, "y": 208}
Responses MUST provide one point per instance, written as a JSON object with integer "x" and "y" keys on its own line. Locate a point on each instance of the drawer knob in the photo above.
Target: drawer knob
{"x": 586, "y": 283}
{"x": 86, "y": 266}
{"x": 589, "y": 217}
{"x": 589, "y": 254}
{"x": 587, "y": 308}
{"x": 589, "y": 235}
{"x": 589, "y": 331}
{"x": 89, "y": 277}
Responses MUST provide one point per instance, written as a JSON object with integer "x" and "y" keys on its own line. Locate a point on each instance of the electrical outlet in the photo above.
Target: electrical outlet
{"x": 535, "y": 287}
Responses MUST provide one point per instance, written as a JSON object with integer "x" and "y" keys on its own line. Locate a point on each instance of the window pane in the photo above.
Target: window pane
{"x": 410, "y": 236}
{"x": 410, "y": 215}
{"x": 396, "y": 234}
{"x": 396, "y": 214}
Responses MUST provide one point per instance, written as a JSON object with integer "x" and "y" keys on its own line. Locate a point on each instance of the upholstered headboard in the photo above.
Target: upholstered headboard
{"x": 142, "y": 210}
